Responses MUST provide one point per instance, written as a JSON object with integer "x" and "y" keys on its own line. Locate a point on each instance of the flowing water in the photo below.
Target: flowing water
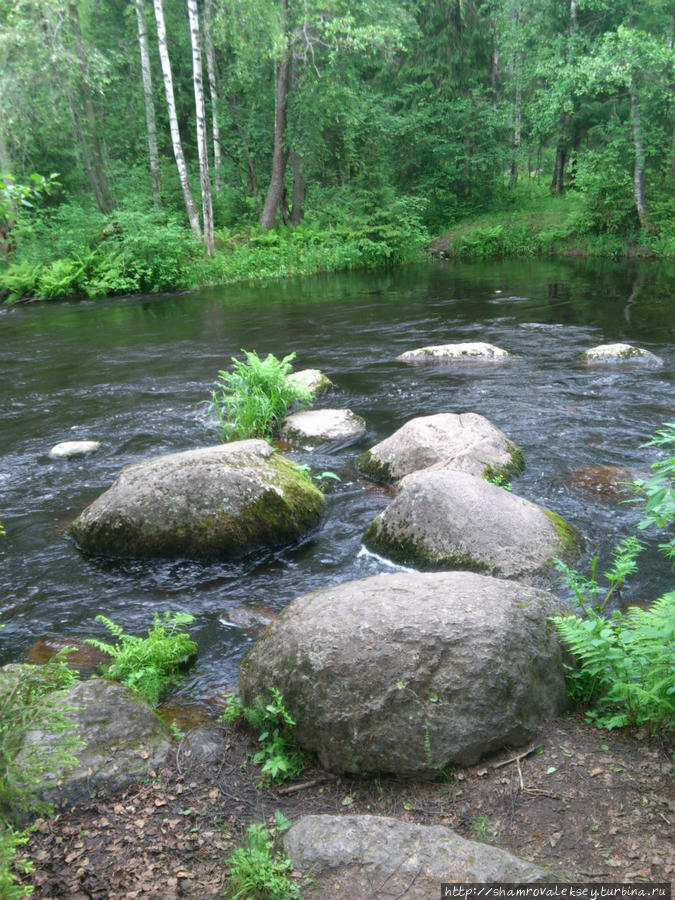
{"x": 133, "y": 372}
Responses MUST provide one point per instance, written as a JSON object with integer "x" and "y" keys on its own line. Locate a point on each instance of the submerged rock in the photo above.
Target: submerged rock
{"x": 70, "y": 449}
{"x": 86, "y": 658}
{"x": 618, "y": 353}
{"x": 219, "y": 502}
{"x": 467, "y": 442}
{"x": 411, "y": 672}
{"x": 474, "y": 351}
{"x": 441, "y": 519}
{"x": 315, "y": 381}
{"x": 355, "y": 852}
{"x": 608, "y": 483}
{"x": 314, "y": 426}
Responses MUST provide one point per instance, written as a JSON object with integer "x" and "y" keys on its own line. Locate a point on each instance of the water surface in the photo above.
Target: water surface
{"x": 133, "y": 372}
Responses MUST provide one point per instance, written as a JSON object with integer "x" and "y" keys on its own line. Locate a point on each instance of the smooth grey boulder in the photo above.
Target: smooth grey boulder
{"x": 124, "y": 740}
{"x": 219, "y": 502}
{"x": 357, "y": 853}
{"x": 470, "y": 351}
{"x": 467, "y": 442}
{"x": 442, "y": 519}
{"x": 315, "y": 426}
{"x": 315, "y": 381}
{"x": 411, "y": 672}
{"x": 70, "y": 449}
{"x": 618, "y": 353}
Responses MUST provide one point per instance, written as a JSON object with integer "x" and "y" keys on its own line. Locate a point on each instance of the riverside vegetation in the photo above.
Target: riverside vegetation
{"x": 537, "y": 131}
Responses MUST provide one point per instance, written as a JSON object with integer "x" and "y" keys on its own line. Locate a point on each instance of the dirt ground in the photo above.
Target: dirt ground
{"x": 589, "y": 805}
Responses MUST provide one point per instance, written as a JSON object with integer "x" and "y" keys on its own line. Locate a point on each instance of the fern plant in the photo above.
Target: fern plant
{"x": 628, "y": 664}
{"x": 588, "y": 591}
{"x": 279, "y": 756}
{"x": 258, "y": 871}
{"x": 148, "y": 665}
{"x": 12, "y": 865}
{"x": 252, "y": 400}
{"x": 659, "y": 490}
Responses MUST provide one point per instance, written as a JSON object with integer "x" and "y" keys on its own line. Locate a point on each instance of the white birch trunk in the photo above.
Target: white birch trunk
{"x": 150, "y": 123}
{"x": 193, "y": 215}
{"x": 639, "y": 151}
{"x": 213, "y": 90}
{"x": 200, "y": 115}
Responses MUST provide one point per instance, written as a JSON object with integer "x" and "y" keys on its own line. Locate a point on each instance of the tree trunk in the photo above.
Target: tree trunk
{"x": 297, "y": 211}
{"x": 96, "y": 168}
{"x": 557, "y": 184}
{"x": 275, "y": 190}
{"x": 200, "y": 115}
{"x": 150, "y": 122}
{"x": 213, "y": 90}
{"x": 515, "y": 70}
{"x": 638, "y": 148}
{"x": 190, "y": 207}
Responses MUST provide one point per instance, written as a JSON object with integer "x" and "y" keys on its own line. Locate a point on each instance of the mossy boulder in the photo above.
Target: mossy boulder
{"x": 411, "y": 672}
{"x": 467, "y": 443}
{"x": 218, "y": 502}
{"x": 469, "y": 351}
{"x": 441, "y": 519}
{"x": 618, "y": 353}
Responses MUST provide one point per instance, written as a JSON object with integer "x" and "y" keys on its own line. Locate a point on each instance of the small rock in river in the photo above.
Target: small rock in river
{"x": 70, "y": 449}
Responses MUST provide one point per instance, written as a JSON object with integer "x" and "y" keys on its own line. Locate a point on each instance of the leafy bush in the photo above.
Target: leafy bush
{"x": 279, "y": 756}
{"x": 252, "y": 400}
{"x": 258, "y": 871}
{"x": 27, "y": 697}
{"x": 587, "y": 590}
{"x": 149, "y": 665}
{"x": 628, "y": 665}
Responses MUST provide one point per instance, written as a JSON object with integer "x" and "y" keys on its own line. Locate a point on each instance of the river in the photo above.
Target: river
{"x": 133, "y": 373}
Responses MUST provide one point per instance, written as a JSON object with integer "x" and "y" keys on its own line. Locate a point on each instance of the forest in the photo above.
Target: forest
{"x": 150, "y": 146}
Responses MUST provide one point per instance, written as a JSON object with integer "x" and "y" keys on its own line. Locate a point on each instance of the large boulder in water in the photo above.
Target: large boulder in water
{"x": 467, "y": 442}
{"x": 441, "y": 519}
{"x": 218, "y": 502}
{"x": 350, "y": 854}
{"x": 411, "y": 672}
{"x": 470, "y": 351}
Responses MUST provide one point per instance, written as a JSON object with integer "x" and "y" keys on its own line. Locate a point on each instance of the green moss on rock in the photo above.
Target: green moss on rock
{"x": 408, "y": 552}
{"x": 571, "y": 540}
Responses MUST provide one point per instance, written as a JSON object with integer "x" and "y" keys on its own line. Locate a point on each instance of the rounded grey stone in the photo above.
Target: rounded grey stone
{"x": 315, "y": 381}
{"x": 218, "y": 502}
{"x": 410, "y": 672}
{"x": 442, "y": 519}
{"x": 469, "y": 351}
{"x": 315, "y": 426}
{"x": 70, "y": 449}
{"x": 618, "y": 353}
{"x": 467, "y": 442}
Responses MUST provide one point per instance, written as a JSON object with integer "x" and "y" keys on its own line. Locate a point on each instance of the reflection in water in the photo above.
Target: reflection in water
{"x": 133, "y": 372}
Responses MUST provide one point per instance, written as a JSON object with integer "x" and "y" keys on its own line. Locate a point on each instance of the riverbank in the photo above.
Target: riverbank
{"x": 588, "y": 805}
{"x": 87, "y": 255}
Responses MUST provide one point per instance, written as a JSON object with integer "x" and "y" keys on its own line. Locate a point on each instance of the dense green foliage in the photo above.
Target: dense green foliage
{"x": 251, "y": 401}
{"x": 149, "y": 665}
{"x": 526, "y": 127}
{"x": 279, "y": 756}
{"x": 626, "y": 671}
{"x": 259, "y": 871}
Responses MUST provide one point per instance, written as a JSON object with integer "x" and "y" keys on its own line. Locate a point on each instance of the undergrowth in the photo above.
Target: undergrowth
{"x": 279, "y": 755}
{"x": 149, "y": 665}
{"x": 259, "y": 871}
{"x": 251, "y": 401}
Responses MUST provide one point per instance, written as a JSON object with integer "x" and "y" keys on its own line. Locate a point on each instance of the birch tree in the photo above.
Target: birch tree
{"x": 200, "y": 116}
{"x": 150, "y": 121}
{"x": 190, "y": 207}
{"x": 213, "y": 91}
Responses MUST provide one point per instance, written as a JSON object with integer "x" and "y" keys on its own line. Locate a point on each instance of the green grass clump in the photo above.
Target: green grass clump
{"x": 251, "y": 401}
{"x": 258, "y": 871}
{"x": 151, "y": 664}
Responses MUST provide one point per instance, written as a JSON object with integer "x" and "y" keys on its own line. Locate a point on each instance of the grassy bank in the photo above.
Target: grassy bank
{"x": 540, "y": 224}
{"x": 72, "y": 251}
